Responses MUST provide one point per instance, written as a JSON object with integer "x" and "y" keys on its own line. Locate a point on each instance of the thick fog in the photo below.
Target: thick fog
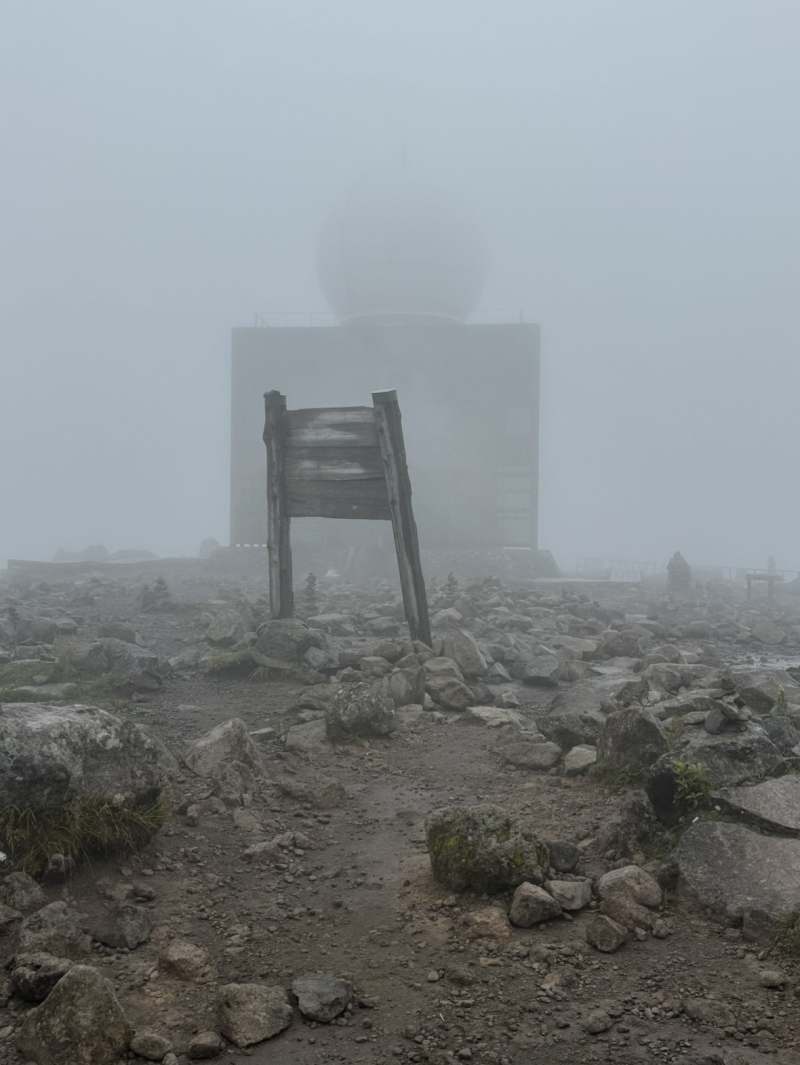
{"x": 634, "y": 166}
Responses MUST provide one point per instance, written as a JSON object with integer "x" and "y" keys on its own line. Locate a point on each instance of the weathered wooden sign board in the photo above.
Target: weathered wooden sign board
{"x": 340, "y": 462}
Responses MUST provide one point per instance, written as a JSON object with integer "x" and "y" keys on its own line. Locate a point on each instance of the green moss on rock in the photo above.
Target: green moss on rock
{"x": 481, "y": 848}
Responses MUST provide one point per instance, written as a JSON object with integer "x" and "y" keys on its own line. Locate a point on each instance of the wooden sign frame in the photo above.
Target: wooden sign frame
{"x": 340, "y": 462}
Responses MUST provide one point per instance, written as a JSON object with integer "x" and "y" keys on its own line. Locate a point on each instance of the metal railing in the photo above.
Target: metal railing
{"x": 283, "y": 319}
{"x": 626, "y": 570}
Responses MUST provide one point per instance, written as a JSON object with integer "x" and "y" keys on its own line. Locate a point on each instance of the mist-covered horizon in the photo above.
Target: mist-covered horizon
{"x": 634, "y": 168}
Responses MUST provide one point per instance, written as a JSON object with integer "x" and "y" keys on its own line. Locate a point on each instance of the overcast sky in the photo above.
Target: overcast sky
{"x": 635, "y": 166}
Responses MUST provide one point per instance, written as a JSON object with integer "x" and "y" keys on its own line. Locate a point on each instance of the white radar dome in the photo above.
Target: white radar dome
{"x": 396, "y": 248}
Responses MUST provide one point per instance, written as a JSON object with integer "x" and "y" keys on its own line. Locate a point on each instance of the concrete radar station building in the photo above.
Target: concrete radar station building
{"x": 403, "y": 270}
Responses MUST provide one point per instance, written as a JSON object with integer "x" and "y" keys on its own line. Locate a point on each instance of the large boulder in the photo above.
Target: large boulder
{"x": 287, "y": 639}
{"x": 766, "y": 631}
{"x": 630, "y": 739}
{"x": 53, "y": 930}
{"x": 462, "y": 648}
{"x": 407, "y": 685}
{"x": 35, "y": 975}
{"x": 759, "y": 687}
{"x": 531, "y": 905}
{"x": 52, "y": 756}
{"x": 133, "y": 668}
{"x": 577, "y": 715}
{"x": 737, "y": 873}
{"x": 360, "y": 709}
{"x": 773, "y": 805}
{"x": 231, "y": 623}
{"x": 80, "y": 1022}
{"x": 251, "y": 1013}
{"x": 230, "y": 741}
{"x": 483, "y": 848}
{"x": 449, "y": 693}
{"x": 542, "y": 671}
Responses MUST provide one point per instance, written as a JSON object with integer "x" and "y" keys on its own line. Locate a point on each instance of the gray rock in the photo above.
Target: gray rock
{"x": 306, "y": 737}
{"x": 709, "y": 1011}
{"x": 766, "y": 631}
{"x": 251, "y": 1013}
{"x": 734, "y": 872}
{"x": 604, "y": 934}
{"x": 10, "y": 922}
{"x": 576, "y": 716}
{"x": 483, "y": 848}
{"x": 322, "y": 996}
{"x": 441, "y": 666}
{"x": 324, "y": 793}
{"x": 53, "y": 930}
{"x": 570, "y": 894}
{"x": 638, "y": 825}
{"x": 759, "y": 687}
{"x": 598, "y": 1021}
{"x": 21, "y": 892}
{"x": 733, "y": 757}
{"x": 231, "y": 623}
{"x": 316, "y": 658}
{"x": 80, "y": 1022}
{"x": 782, "y": 733}
{"x": 531, "y": 905}
{"x": 133, "y": 668}
{"x": 631, "y": 739}
{"x": 542, "y": 671}
{"x": 578, "y": 760}
{"x": 127, "y": 925}
{"x": 150, "y": 1045}
{"x": 229, "y": 741}
{"x": 204, "y": 1045}
{"x": 564, "y": 857}
{"x": 186, "y": 961}
{"x": 35, "y": 975}
{"x": 630, "y": 882}
{"x": 407, "y": 686}
{"x": 360, "y": 709}
{"x": 463, "y": 649}
{"x": 449, "y": 693}
{"x": 374, "y": 666}
{"x": 492, "y": 716}
{"x": 773, "y": 805}
{"x": 51, "y": 756}
{"x": 287, "y": 639}
{"x": 526, "y": 755}
{"x": 116, "y": 630}
{"x": 42, "y": 693}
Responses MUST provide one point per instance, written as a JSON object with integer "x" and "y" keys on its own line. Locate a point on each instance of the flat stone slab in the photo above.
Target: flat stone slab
{"x": 735, "y": 872}
{"x": 774, "y": 805}
{"x": 493, "y": 716}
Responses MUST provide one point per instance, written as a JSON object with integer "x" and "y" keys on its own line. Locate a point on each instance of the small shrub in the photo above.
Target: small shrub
{"x": 692, "y": 785}
{"x": 786, "y": 933}
{"x": 616, "y": 779}
{"x": 781, "y": 707}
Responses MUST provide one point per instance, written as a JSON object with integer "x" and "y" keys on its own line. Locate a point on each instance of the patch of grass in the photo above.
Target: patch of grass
{"x": 786, "y": 933}
{"x": 616, "y": 779}
{"x": 79, "y": 830}
{"x": 674, "y": 733}
{"x": 692, "y": 785}
{"x": 229, "y": 662}
{"x": 659, "y": 845}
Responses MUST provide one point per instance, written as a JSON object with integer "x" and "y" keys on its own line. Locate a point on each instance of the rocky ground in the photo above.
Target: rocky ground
{"x": 659, "y": 925}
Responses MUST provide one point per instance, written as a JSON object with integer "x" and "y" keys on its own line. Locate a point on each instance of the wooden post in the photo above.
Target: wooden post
{"x": 281, "y": 597}
{"x": 398, "y": 484}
